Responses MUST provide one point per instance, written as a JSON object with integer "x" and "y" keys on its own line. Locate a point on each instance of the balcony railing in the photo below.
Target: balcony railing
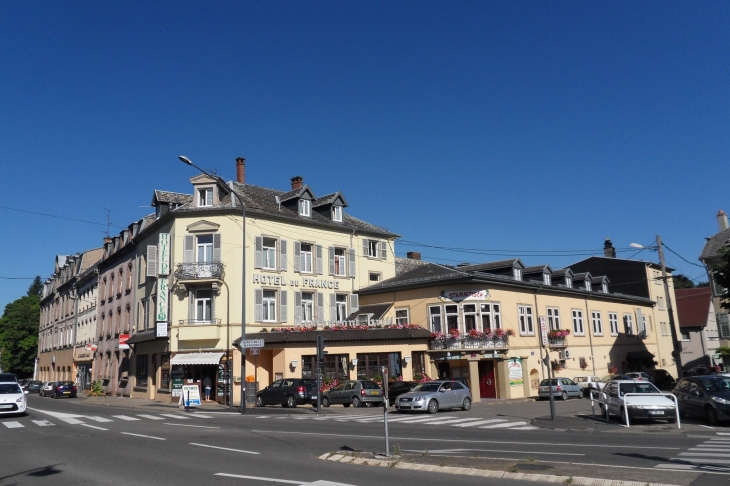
{"x": 469, "y": 342}
{"x": 558, "y": 342}
{"x": 195, "y": 271}
{"x": 196, "y": 322}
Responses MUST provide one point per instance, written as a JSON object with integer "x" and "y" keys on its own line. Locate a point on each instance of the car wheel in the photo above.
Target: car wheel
{"x": 356, "y": 402}
{"x": 345, "y": 405}
{"x": 581, "y": 394}
{"x": 259, "y": 401}
{"x": 291, "y": 402}
{"x": 433, "y": 406}
{"x": 466, "y": 405}
{"x": 564, "y": 396}
{"x": 711, "y": 415}
{"x": 325, "y": 402}
{"x": 671, "y": 420}
{"x": 54, "y": 396}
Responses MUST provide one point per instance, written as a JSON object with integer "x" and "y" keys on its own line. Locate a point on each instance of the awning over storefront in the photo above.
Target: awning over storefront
{"x": 142, "y": 337}
{"x": 637, "y": 355}
{"x": 196, "y": 358}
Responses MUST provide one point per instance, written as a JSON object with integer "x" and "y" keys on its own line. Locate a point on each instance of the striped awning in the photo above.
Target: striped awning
{"x": 196, "y": 358}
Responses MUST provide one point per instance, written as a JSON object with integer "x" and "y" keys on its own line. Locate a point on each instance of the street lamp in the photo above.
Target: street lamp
{"x": 243, "y": 287}
{"x": 675, "y": 341}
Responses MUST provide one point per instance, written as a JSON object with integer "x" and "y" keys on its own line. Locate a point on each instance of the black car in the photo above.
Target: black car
{"x": 397, "y": 388}
{"x": 662, "y": 379}
{"x": 34, "y": 386}
{"x": 8, "y": 378}
{"x": 64, "y": 389}
{"x": 289, "y": 392}
{"x": 704, "y": 396}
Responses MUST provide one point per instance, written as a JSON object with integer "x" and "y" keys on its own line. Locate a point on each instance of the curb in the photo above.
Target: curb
{"x": 465, "y": 471}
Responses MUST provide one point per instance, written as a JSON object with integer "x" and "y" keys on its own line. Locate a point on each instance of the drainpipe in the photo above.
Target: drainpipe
{"x": 590, "y": 338}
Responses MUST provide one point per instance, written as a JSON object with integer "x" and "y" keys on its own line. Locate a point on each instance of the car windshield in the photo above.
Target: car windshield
{"x": 427, "y": 387}
{"x": 552, "y": 382}
{"x": 638, "y": 388}
{"x": 715, "y": 384}
{"x": 9, "y": 388}
{"x": 370, "y": 385}
{"x": 580, "y": 379}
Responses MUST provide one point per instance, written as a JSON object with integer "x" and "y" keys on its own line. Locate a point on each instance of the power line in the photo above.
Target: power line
{"x": 58, "y": 217}
{"x": 680, "y": 256}
{"x": 511, "y": 253}
{"x": 18, "y": 278}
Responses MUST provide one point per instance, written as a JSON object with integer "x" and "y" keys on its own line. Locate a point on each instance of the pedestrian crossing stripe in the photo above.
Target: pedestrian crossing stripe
{"x": 13, "y": 425}
{"x": 125, "y": 417}
{"x": 419, "y": 420}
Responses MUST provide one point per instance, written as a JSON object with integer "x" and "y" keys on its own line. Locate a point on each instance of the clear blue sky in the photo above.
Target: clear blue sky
{"x": 518, "y": 126}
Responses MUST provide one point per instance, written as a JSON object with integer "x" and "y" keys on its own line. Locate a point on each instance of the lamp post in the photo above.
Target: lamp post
{"x": 243, "y": 287}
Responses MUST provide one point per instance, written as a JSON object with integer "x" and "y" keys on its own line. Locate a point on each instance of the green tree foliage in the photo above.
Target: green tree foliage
{"x": 721, "y": 275}
{"x": 36, "y": 287}
{"x": 19, "y": 333}
{"x": 682, "y": 282}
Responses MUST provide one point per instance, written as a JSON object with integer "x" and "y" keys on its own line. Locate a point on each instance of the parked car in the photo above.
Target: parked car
{"x": 662, "y": 379}
{"x": 47, "y": 388}
{"x": 8, "y": 378}
{"x": 398, "y": 388}
{"x": 436, "y": 395}
{"x": 699, "y": 371}
{"x": 589, "y": 382}
{"x": 64, "y": 389}
{"x": 355, "y": 392}
{"x": 288, "y": 393}
{"x": 560, "y": 388}
{"x": 34, "y": 386}
{"x": 640, "y": 376}
{"x": 650, "y": 404}
{"x": 704, "y": 396}
{"x": 608, "y": 378}
{"x": 12, "y": 398}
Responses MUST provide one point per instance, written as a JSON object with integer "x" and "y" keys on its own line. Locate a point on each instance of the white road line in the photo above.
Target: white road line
{"x": 271, "y": 480}
{"x": 703, "y": 461}
{"x": 99, "y": 419}
{"x": 203, "y": 416}
{"x": 13, "y": 425}
{"x": 186, "y": 425}
{"x": 422, "y": 419}
{"x": 723, "y": 433}
{"x": 226, "y": 449}
{"x": 703, "y": 454}
{"x": 145, "y": 436}
{"x": 264, "y": 416}
{"x": 471, "y": 422}
{"x": 502, "y": 426}
{"x": 151, "y": 417}
{"x": 525, "y": 428}
{"x": 370, "y": 419}
{"x": 399, "y": 419}
{"x": 93, "y": 427}
{"x": 711, "y": 447}
{"x": 42, "y": 423}
{"x": 125, "y": 417}
{"x": 70, "y": 420}
{"x": 171, "y": 415}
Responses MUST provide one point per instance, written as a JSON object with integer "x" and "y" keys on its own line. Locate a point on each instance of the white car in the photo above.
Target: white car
{"x": 640, "y": 399}
{"x": 588, "y": 383}
{"x": 12, "y": 398}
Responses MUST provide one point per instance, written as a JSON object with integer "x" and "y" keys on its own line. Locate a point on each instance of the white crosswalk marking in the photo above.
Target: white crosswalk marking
{"x": 479, "y": 422}
{"x": 70, "y": 420}
{"x": 42, "y": 423}
{"x": 460, "y": 422}
{"x": 125, "y": 417}
{"x": 419, "y": 419}
{"x": 501, "y": 426}
{"x": 151, "y": 417}
{"x": 712, "y": 455}
{"x": 170, "y": 415}
{"x": 13, "y": 425}
{"x": 99, "y": 419}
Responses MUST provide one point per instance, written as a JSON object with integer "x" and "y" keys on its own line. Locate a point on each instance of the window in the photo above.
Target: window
{"x": 336, "y": 367}
{"x": 142, "y": 314}
{"x": 337, "y": 213}
{"x": 102, "y": 290}
{"x": 141, "y": 270}
{"x": 665, "y": 328}
{"x": 418, "y": 358}
{"x": 660, "y": 303}
{"x": 597, "y": 324}
{"x": 578, "y": 328}
{"x": 373, "y": 248}
{"x": 553, "y": 315}
{"x": 129, "y": 277}
{"x": 269, "y": 306}
{"x": 685, "y": 336}
{"x": 546, "y": 278}
{"x": 517, "y": 273}
{"x": 269, "y": 253}
{"x": 121, "y": 280}
{"x": 587, "y": 285}
{"x": 203, "y": 305}
{"x": 341, "y": 305}
{"x": 401, "y": 316}
{"x": 452, "y": 317}
{"x": 527, "y": 326}
{"x": 569, "y": 282}
{"x": 205, "y": 197}
{"x": 305, "y": 207}
{"x": 629, "y": 324}
{"x": 307, "y": 307}
{"x": 204, "y": 248}
{"x": 369, "y": 365}
{"x": 470, "y": 317}
{"x": 434, "y": 316}
{"x": 305, "y": 257}
{"x": 375, "y": 276}
{"x": 340, "y": 262}
{"x": 141, "y": 372}
{"x": 613, "y": 322}
{"x": 491, "y": 318}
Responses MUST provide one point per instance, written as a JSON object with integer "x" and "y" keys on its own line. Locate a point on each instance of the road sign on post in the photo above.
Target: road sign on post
{"x": 251, "y": 343}
{"x": 543, "y": 331}
{"x": 320, "y": 366}
{"x": 385, "y": 408}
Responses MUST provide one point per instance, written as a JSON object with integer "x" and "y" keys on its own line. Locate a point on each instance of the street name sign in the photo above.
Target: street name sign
{"x": 251, "y": 343}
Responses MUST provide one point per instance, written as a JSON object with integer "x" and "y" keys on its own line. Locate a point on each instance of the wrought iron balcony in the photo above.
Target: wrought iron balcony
{"x": 196, "y": 322}
{"x": 558, "y": 342}
{"x": 200, "y": 271}
{"x": 469, "y": 342}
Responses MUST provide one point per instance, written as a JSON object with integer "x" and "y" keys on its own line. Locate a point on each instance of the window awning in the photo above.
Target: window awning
{"x": 637, "y": 355}
{"x": 196, "y": 358}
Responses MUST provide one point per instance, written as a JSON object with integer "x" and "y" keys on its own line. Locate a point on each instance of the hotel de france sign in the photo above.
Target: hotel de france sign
{"x": 311, "y": 283}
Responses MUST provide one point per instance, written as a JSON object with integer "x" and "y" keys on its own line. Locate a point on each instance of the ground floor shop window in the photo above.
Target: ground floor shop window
{"x": 369, "y": 366}
{"x": 165, "y": 372}
{"x": 335, "y": 367}
{"x": 419, "y": 360}
{"x": 141, "y": 372}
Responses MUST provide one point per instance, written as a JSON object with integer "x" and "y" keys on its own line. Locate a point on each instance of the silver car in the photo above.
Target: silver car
{"x": 432, "y": 396}
{"x": 561, "y": 388}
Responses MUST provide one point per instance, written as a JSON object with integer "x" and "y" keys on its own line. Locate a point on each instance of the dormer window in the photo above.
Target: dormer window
{"x": 337, "y": 213}
{"x": 517, "y": 273}
{"x": 588, "y": 285}
{"x": 546, "y": 278}
{"x": 569, "y": 282}
{"x": 205, "y": 197}
{"x": 305, "y": 207}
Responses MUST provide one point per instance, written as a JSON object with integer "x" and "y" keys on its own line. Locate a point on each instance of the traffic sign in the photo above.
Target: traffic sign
{"x": 253, "y": 352}
{"x": 543, "y": 331}
{"x": 251, "y": 343}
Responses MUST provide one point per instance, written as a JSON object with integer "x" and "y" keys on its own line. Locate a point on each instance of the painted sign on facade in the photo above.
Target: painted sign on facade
{"x": 515, "y": 372}
{"x": 163, "y": 254}
{"x": 123, "y": 341}
{"x": 462, "y": 295}
{"x": 641, "y": 323}
{"x": 162, "y": 291}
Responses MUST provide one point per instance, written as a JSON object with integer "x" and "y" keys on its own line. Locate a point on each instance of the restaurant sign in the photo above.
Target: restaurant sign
{"x": 461, "y": 295}
{"x": 162, "y": 291}
{"x": 163, "y": 254}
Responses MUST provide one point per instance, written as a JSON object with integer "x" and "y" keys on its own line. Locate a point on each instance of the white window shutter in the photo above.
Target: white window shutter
{"x": 258, "y": 313}
{"x": 283, "y": 317}
{"x": 318, "y": 251}
{"x": 352, "y": 262}
{"x": 151, "y": 261}
{"x": 331, "y": 258}
{"x": 333, "y": 307}
{"x": 258, "y": 260}
{"x": 282, "y": 255}
{"x": 189, "y": 250}
{"x": 384, "y": 250}
{"x": 216, "y": 247}
{"x": 297, "y": 258}
{"x": 354, "y": 302}
{"x": 297, "y": 308}
{"x": 191, "y": 308}
{"x": 365, "y": 249}
{"x": 320, "y": 306}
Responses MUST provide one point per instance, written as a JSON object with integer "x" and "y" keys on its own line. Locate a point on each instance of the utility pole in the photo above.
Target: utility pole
{"x": 677, "y": 353}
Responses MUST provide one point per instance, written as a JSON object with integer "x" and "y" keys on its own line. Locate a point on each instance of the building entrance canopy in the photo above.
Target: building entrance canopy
{"x": 196, "y": 359}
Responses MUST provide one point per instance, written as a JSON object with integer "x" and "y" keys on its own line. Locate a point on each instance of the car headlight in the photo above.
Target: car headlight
{"x": 419, "y": 399}
{"x": 21, "y": 399}
{"x": 721, "y": 400}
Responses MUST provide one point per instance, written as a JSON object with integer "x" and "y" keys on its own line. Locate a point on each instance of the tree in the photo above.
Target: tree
{"x": 19, "y": 335}
{"x": 36, "y": 287}
{"x": 682, "y": 282}
{"x": 721, "y": 276}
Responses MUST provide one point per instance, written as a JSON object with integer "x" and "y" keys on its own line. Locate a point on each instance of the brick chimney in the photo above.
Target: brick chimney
{"x": 608, "y": 250}
{"x": 414, "y": 255}
{"x": 722, "y": 220}
{"x": 241, "y": 170}
{"x": 296, "y": 182}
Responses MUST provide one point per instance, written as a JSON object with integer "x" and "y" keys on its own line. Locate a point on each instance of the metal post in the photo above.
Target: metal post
{"x": 243, "y": 304}
{"x": 385, "y": 409}
{"x": 675, "y": 341}
{"x": 550, "y": 385}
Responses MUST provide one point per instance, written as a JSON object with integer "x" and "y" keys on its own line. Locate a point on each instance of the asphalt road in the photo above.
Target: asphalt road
{"x": 73, "y": 441}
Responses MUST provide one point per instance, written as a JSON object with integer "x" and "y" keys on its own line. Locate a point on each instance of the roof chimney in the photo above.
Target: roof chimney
{"x": 296, "y": 182}
{"x": 241, "y": 170}
{"x": 414, "y": 255}
{"x": 608, "y": 250}
{"x": 722, "y": 220}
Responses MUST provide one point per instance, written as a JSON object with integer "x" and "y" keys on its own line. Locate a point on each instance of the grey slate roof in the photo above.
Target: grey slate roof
{"x": 501, "y": 264}
{"x": 711, "y": 251}
{"x": 294, "y": 193}
{"x": 377, "y": 310}
{"x": 329, "y": 199}
{"x": 171, "y": 197}
{"x": 561, "y": 272}
{"x": 536, "y": 269}
{"x": 273, "y": 340}
{"x": 403, "y": 265}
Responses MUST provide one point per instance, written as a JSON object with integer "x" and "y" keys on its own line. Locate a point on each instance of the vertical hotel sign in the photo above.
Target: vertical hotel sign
{"x": 163, "y": 271}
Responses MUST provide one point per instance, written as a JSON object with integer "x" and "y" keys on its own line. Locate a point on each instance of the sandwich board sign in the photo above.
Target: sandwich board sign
{"x": 190, "y": 396}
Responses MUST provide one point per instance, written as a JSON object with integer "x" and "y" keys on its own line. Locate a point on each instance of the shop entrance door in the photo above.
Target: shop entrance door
{"x": 487, "y": 387}
{"x": 444, "y": 371}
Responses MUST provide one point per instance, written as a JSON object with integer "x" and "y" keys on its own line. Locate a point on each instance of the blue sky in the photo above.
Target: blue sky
{"x": 520, "y": 126}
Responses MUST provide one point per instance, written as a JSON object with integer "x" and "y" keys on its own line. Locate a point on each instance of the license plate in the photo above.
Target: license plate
{"x": 6, "y": 406}
{"x": 544, "y": 388}
{"x": 66, "y": 393}
{"x": 374, "y": 392}
{"x": 314, "y": 397}
{"x": 656, "y": 412}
